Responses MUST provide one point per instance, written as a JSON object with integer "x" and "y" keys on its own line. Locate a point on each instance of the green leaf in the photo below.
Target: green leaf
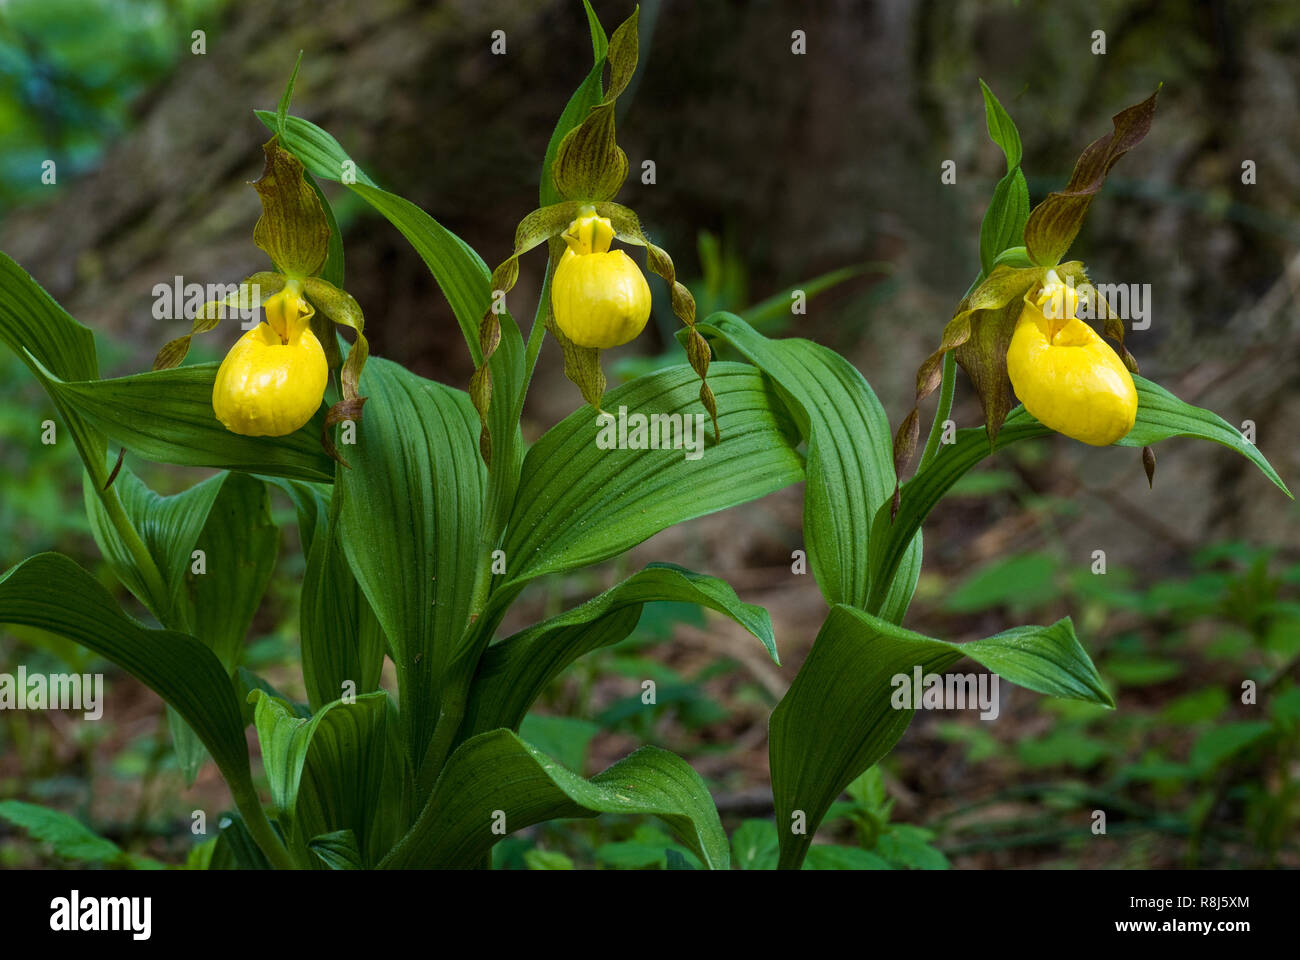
{"x": 1021, "y": 581}
{"x": 1002, "y": 129}
{"x": 328, "y": 773}
{"x": 547, "y": 860}
{"x": 51, "y": 592}
{"x": 838, "y": 717}
{"x": 46, "y": 338}
{"x": 850, "y": 463}
{"x": 338, "y": 849}
{"x": 32, "y": 323}
{"x": 496, "y": 771}
{"x": 341, "y": 639}
{"x": 775, "y": 309}
{"x": 235, "y": 848}
{"x": 67, "y": 836}
{"x": 579, "y": 504}
{"x": 826, "y": 856}
{"x": 169, "y": 528}
{"x": 240, "y": 544}
{"x": 415, "y": 470}
{"x": 285, "y": 98}
{"x": 513, "y": 673}
{"x": 1004, "y": 221}
{"x": 227, "y": 517}
{"x": 1003, "y": 225}
{"x": 1160, "y": 416}
{"x": 754, "y": 845}
{"x": 1219, "y": 744}
{"x": 908, "y": 846}
{"x": 166, "y": 416}
{"x": 589, "y": 93}
{"x": 599, "y": 42}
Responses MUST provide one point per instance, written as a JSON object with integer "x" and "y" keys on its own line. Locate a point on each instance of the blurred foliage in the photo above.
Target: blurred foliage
{"x": 69, "y": 71}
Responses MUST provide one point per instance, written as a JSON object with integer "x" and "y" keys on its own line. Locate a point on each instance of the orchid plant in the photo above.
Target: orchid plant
{"x": 423, "y": 515}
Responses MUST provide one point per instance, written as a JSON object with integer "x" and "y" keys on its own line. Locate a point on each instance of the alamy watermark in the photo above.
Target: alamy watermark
{"x": 53, "y": 691}
{"x": 953, "y": 691}
{"x": 1122, "y": 301}
{"x": 179, "y": 300}
{"x": 75, "y": 913}
{"x": 655, "y": 431}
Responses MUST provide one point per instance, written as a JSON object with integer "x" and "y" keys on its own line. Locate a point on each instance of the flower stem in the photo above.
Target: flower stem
{"x": 259, "y": 827}
{"x": 130, "y": 538}
{"x": 946, "y": 390}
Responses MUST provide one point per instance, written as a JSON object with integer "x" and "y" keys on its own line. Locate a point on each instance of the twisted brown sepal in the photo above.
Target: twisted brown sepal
{"x": 1054, "y": 223}
{"x": 293, "y": 229}
{"x": 589, "y": 165}
{"x": 1149, "y": 465}
{"x": 338, "y": 413}
{"x": 536, "y": 228}
{"x": 340, "y": 307}
{"x": 210, "y": 314}
{"x": 628, "y": 229}
{"x": 979, "y": 333}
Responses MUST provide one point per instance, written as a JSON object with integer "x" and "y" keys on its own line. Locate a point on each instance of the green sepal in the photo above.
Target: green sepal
{"x": 341, "y": 307}
{"x": 589, "y": 164}
{"x": 293, "y": 229}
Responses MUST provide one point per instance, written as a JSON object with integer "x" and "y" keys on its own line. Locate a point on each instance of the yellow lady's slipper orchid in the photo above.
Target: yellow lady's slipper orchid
{"x": 599, "y": 297}
{"x": 1065, "y": 374}
{"x": 273, "y": 379}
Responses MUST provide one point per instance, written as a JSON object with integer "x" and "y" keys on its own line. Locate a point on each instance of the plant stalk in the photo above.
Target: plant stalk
{"x": 946, "y": 390}
{"x": 250, "y": 808}
{"x": 144, "y": 561}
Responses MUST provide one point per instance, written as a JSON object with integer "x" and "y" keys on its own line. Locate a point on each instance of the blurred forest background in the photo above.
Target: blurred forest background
{"x": 773, "y": 170}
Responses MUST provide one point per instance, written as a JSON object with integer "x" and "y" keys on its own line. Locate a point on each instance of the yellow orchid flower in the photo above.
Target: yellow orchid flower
{"x": 1065, "y": 374}
{"x": 599, "y": 296}
{"x": 273, "y": 379}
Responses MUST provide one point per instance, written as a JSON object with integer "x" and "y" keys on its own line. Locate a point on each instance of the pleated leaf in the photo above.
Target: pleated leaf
{"x": 850, "y": 464}
{"x": 579, "y": 504}
{"x": 514, "y": 672}
{"x": 328, "y": 773}
{"x": 341, "y": 640}
{"x": 496, "y": 771}
{"x": 51, "y": 592}
{"x": 1160, "y": 416}
{"x": 166, "y": 416}
{"x": 410, "y": 517}
{"x": 46, "y": 338}
{"x": 838, "y": 718}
